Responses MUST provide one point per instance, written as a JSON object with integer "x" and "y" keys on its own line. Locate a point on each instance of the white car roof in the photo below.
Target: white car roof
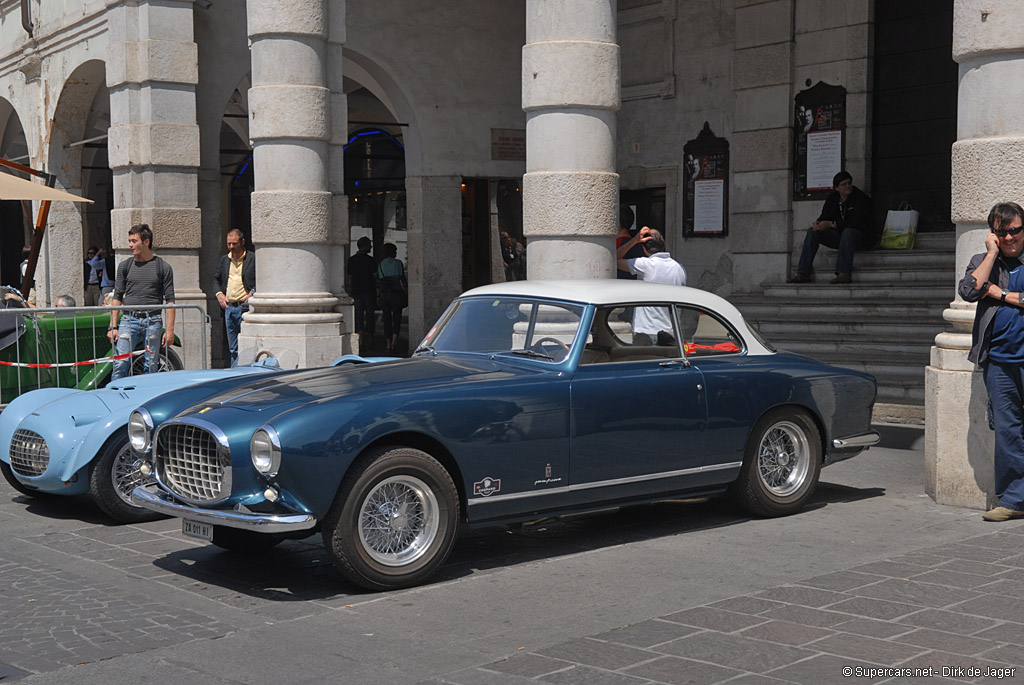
{"x": 601, "y": 292}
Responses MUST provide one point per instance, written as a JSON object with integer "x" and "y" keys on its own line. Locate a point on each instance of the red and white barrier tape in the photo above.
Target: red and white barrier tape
{"x": 88, "y": 362}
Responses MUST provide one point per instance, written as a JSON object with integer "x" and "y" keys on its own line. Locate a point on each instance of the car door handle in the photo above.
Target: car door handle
{"x": 675, "y": 364}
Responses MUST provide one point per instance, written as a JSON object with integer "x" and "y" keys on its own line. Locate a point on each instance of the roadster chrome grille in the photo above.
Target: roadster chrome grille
{"x": 29, "y": 453}
{"x": 190, "y": 464}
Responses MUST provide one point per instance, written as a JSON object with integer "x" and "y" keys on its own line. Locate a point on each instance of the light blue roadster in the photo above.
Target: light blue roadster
{"x": 62, "y": 441}
{"x": 526, "y": 400}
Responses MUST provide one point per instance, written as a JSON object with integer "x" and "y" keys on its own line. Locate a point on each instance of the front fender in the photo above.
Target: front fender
{"x": 75, "y": 428}
{"x": 21, "y": 407}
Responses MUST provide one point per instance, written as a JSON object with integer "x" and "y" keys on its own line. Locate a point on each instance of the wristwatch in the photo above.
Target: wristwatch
{"x": 1005, "y": 293}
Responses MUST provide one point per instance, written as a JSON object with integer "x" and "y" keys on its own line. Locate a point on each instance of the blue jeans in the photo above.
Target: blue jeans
{"x": 1005, "y": 392}
{"x": 233, "y": 324}
{"x": 846, "y": 241}
{"x": 129, "y": 332}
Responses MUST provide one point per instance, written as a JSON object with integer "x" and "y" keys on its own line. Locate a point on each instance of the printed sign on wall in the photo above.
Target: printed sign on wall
{"x": 706, "y": 179}
{"x": 819, "y": 120}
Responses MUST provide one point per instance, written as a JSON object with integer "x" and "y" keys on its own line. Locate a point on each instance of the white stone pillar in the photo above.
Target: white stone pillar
{"x": 434, "y": 216}
{"x": 339, "y": 226}
{"x": 571, "y": 81}
{"x": 294, "y": 313}
{"x": 153, "y": 144}
{"x": 987, "y": 158}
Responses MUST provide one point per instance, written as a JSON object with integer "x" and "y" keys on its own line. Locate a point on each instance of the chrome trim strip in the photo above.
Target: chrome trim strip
{"x": 607, "y": 483}
{"x": 863, "y": 440}
{"x": 159, "y": 501}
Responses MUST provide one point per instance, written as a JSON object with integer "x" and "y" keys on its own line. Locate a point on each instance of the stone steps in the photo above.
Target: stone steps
{"x": 884, "y": 323}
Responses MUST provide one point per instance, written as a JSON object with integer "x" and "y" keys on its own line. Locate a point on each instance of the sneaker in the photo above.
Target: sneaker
{"x": 799, "y": 278}
{"x": 1002, "y": 514}
{"x": 841, "y": 278}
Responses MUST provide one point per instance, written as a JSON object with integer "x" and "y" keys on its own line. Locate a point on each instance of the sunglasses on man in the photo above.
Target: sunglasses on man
{"x": 1003, "y": 232}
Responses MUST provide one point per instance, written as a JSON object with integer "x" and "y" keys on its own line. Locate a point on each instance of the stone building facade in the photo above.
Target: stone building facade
{"x": 200, "y": 115}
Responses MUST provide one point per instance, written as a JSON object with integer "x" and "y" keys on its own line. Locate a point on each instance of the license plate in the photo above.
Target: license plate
{"x": 195, "y": 529}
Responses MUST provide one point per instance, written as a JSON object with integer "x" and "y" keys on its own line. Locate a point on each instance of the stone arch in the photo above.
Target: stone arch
{"x": 368, "y": 74}
{"x": 13, "y": 146}
{"x": 77, "y": 156}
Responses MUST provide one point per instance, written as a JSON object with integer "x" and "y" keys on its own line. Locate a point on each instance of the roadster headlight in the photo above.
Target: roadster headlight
{"x": 140, "y": 430}
{"x": 265, "y": 451}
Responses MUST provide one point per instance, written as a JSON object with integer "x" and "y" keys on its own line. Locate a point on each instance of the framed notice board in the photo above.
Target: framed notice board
{"x": 706, "y": 179}
{"x": 819, "y": 120}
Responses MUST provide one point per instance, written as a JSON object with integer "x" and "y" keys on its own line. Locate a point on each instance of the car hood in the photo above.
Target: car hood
{"x": 291, "y": 389}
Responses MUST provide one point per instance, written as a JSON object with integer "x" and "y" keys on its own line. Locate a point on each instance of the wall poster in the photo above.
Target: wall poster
{"x": 706, "y": 180}
{"x": 819, "y": 139}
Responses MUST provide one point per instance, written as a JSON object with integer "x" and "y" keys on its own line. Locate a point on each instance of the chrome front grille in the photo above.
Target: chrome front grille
{"x": 29, "y": 453}
{"x": 190, "y": 463}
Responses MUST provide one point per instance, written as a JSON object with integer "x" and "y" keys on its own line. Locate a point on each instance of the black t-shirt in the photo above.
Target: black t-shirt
{"x": 361, "y": 271}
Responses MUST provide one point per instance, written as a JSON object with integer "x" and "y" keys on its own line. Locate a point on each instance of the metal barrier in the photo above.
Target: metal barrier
{"x": 67, "y": 347}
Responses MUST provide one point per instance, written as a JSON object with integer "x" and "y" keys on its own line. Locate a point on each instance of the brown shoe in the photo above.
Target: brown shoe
{"x": 799, "y": 278}
{"x": 1002, "y": 514}
{"x": 841, "y": 278}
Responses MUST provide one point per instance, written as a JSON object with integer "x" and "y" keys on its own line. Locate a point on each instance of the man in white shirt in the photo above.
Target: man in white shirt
{"x": 656, "y": 267}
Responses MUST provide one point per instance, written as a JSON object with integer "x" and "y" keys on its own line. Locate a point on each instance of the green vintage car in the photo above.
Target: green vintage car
{"x": 44, "y": 349}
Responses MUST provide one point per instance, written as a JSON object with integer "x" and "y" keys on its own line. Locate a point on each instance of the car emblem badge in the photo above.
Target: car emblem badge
{"x": 487, "y": 487}
{"x": 547, "y": 471}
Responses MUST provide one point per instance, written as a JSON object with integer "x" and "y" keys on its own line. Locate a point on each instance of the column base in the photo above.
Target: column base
{"x": 958, "y": 441}
{"x": 191, "y": 327}
{"x": 295, "y": 345}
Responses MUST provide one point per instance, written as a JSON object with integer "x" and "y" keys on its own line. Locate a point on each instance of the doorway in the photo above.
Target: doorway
{"x": 915, "y": 102}
{"x": 491, "y": 209}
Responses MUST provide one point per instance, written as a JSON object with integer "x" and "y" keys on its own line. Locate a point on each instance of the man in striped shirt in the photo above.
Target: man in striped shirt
{"x": 143, "y": 281}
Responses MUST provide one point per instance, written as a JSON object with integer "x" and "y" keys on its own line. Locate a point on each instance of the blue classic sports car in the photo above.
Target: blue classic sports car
{"x": 62, "y": 441}
{"x": 525, "y": 400}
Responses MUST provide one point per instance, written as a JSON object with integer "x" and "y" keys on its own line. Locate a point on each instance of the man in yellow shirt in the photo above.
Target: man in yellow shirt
{"x": 235, "y": 282}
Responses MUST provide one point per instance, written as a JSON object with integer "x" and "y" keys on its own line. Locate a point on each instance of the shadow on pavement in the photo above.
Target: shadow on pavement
{"x": 300, "y": 570}
{"x": 65, "y": 508}
{"x": 898, "y": 437}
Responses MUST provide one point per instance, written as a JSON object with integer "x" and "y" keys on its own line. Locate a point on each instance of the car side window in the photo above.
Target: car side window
{"x": 629, "y": 334}
{"x": 704, "y": 334}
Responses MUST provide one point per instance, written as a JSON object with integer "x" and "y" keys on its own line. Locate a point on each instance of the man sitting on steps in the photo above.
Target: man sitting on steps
{"x": 846, "y": 224}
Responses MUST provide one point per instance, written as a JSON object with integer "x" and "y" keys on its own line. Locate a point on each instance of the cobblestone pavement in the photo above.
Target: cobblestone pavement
{"x": 872, "y": 574}
{"x": 953, "y": 613}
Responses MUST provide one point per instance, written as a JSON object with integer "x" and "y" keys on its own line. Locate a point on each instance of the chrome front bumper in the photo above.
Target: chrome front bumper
{"x": 154, "y": 499}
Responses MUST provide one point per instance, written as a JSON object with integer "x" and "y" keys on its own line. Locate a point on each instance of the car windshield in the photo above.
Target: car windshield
{"x": 512, "y": 326}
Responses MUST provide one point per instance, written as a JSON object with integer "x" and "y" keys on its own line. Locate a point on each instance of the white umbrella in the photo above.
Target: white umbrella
{"x": 14, "y": 188}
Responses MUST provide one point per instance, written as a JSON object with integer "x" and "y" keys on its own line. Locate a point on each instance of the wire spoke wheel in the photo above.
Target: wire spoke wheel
{"x": 781, "y": 463}
{"x": 125, "y": 474}
{"x": 399, "y": 520}
{"x": 784, "y": 458}
{"x": 394, "y": 520}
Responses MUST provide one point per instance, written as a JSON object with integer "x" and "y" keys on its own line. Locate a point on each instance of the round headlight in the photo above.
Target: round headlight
{"x": 140, "y": 430}
{"x": 265, "y": 451}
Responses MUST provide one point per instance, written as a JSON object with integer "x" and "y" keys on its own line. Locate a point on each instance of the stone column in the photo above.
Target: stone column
{"x": 762, "y": 137}
{"x": 294, "y": 313}
{"x": 570, "y": 96}
{"x": 434, "y": 215}
{"x": 986, "y": 161}
{"x": 339, "y": 226}
{"x": 153, "y": 145}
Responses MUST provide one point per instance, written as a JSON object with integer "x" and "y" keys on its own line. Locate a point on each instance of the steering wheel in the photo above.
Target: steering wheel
{"x": 538, "y": 343}
{"x": 262, "y": 354}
